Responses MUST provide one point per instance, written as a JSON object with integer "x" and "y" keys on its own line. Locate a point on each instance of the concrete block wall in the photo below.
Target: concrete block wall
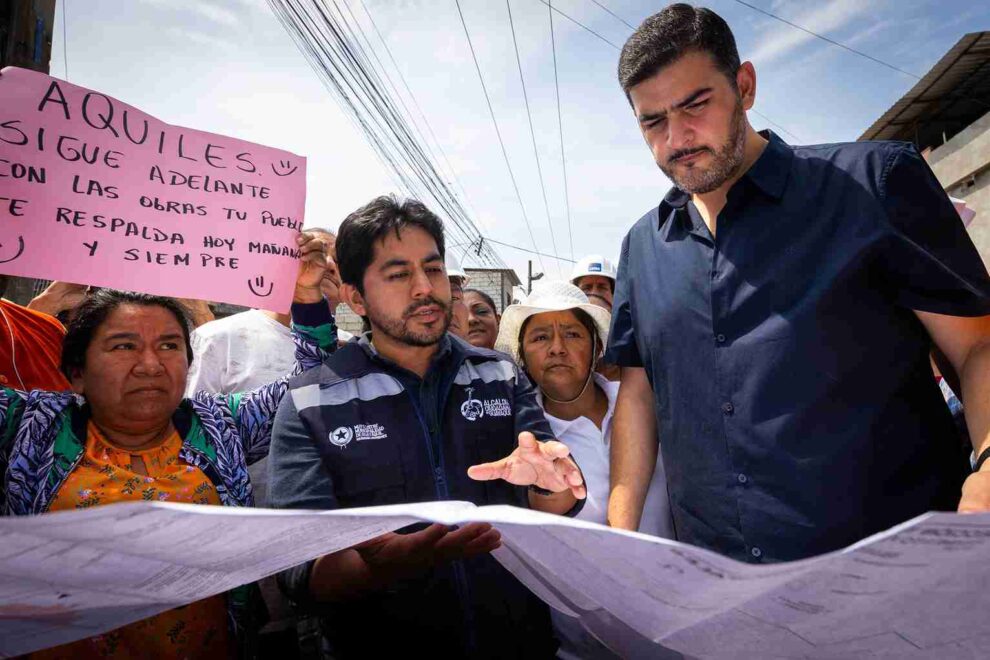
{"x": 489, "y": 281}
{"x": 962, "y": 166}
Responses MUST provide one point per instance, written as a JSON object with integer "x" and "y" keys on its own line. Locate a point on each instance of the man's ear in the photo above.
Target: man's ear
{"x": 746, "y": 84}
{"x": 350, "y": 295}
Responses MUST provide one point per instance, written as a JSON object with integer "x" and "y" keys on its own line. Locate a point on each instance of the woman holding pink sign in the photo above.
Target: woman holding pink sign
{"x": 126, "y": 433}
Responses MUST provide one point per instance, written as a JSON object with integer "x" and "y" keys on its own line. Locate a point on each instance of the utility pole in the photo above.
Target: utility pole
{"x": 531, "y": 278}
{"x": 26, "y": 42}
{"x": 26, "y": 33}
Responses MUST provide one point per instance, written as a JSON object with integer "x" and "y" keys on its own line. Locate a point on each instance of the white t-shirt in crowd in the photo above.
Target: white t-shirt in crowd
{"x": 590, "y": 447}
{"x": 239, "y": 353}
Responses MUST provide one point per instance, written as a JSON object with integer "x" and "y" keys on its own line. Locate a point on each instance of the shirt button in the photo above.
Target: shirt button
{"x": 728, "y": 408}
{"x": 742, "y": 478}
{"x": 720, "y": 338}
{"x": 756, "y": 552}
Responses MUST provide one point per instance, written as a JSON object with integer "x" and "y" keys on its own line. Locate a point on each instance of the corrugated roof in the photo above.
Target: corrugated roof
{"x": 952, "y": 95}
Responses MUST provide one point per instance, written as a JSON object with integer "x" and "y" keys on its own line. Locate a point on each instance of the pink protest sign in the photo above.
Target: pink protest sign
{"x": 94, "y": 191}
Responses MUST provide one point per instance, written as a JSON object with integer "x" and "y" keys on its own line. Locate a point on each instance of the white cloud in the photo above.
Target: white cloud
{"x": 212, "y": 12}
{"x": 823, "y": 18}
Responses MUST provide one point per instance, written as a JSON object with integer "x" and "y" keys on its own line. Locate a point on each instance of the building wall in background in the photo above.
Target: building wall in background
{"x": 496, "y": 283}
{"x": 962, "y": 166}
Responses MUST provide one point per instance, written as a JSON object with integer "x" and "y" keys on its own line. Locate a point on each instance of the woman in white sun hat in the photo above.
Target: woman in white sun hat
{"x": 556, "y": 336}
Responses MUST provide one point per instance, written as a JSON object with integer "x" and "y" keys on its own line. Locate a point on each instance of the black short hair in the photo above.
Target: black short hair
{"x": 369, "y": 224}
{"x": 671, "y": 33}
{"x": 93, "y": 312}
{"x": 484, "y": 296}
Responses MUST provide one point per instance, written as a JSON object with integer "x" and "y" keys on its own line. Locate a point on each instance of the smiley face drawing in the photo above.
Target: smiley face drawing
{"x": 257, "y": 286}
{"x": 285, "y": 168}
{"x": 20, "y": 250}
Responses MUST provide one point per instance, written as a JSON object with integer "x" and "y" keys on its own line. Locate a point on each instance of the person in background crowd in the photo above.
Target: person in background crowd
{"x": 125, "y": 433}
{"x": 60, "y": 299}
{"x": 30, "y": 348}
{"x": 773, "y": 319}
{"x": 595, "y": 276}
{"x": 483, "y": 318}
{"x": 556, "y": 335}
{"x": 458, "y": 280}
{"x": 243, "y": 351}
{"x": 406, "y": 414}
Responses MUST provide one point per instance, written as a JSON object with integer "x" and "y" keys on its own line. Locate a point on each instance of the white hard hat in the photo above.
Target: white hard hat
{"x": 454, "y": 268}
{"x": 593, "y": 264}
{"x": 550, "y": 296}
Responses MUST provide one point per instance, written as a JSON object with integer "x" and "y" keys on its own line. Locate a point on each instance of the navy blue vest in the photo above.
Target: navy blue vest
{"x": 377, "y": 449}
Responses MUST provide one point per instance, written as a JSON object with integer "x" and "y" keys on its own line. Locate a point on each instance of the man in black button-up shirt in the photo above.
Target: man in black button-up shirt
{"x": 774, "y": 317}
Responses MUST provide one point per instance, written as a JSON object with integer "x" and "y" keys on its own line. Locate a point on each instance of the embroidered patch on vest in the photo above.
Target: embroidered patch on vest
{"x": 472, "y": 409}
{"x": 341, "y": 436}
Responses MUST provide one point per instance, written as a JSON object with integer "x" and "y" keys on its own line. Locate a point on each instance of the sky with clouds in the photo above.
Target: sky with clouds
{"x": 228, "y": 66}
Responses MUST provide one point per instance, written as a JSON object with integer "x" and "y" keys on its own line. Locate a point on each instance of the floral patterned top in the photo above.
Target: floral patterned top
{"x": 109, "y": 474}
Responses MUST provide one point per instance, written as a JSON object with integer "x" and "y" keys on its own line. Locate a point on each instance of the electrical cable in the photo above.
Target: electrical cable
{"x": 65, "y": 44}
{"x": 824, "y": 38}
{"x": 613, "y": 14}
{"x": 498, "y": 133}
{"x": 560, "y": 130}
{"x": 581, "y": 25}
{"x": 532, "y": 133}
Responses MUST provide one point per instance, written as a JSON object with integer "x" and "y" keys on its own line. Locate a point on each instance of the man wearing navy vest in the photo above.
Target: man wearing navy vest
{"x": 410, "y": 413}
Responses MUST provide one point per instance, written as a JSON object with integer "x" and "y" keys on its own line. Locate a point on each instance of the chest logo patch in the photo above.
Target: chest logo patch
{"x": 472, "y": 409}
{"x": 341, "y": 436}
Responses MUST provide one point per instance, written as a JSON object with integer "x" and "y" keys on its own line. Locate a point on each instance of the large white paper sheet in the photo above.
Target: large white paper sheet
{"x": 919, "y": 590}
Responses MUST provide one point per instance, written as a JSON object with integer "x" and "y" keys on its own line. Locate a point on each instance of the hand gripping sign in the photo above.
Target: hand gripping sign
{"x": 97, "y": 192}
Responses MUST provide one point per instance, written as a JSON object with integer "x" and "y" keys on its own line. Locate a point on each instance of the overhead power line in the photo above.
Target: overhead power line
{"x": 560, "y": 130}
{"x": 532, "y": 132}
{"x": 522, "y": 249}
{"x": 617, "y": 47}
{"x": 824, "y": 38}
{"x": 773, "y": 123}
{"x": 498, "y": 133}
{"x": 613, "y": 15}
{"x": 419, "y": 109}
{"x": 352, "y": 71}
{"x": 581, "y": 25}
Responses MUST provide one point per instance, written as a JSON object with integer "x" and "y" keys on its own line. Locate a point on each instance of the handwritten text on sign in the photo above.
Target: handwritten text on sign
{"x": 97, "y": 192}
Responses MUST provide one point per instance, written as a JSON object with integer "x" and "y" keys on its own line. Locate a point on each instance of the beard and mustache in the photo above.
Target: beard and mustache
{"x": 726, "y": 160}
{"x": 397, "y": 328}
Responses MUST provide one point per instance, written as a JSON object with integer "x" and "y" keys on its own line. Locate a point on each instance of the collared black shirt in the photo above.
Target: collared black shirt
{"x": 796, "y": 408}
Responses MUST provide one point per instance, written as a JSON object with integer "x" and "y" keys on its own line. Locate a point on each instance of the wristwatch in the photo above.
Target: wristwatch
{"x": 984, "y": 455}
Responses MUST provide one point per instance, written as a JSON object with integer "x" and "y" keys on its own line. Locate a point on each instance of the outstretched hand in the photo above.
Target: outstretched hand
{"x": 395, "y": 556}
{"x": 546, "y": 465}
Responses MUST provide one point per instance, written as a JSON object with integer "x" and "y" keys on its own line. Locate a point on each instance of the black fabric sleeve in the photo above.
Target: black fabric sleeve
{"x": 527, "y": 411}
{"x": 297, "y": 480}
{"x": 622, "y": 349}
{"x": 928, "y": 256}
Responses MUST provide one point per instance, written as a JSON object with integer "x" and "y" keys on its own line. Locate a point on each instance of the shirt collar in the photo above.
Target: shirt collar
{"x": 445, "y": 348}
{"x": 769, "y": 173}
